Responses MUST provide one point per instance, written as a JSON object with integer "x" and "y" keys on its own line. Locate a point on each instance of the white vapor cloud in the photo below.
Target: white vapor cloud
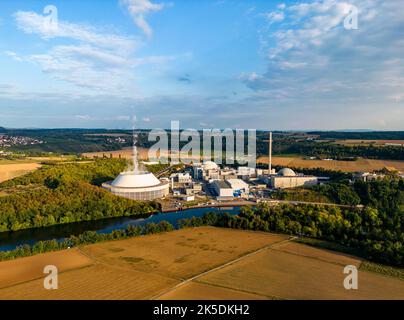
{"x": 138, "y": 9}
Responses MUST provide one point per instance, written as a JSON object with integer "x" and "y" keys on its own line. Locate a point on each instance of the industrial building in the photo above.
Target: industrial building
{"x": 222, "y": 190}
{"x": 141, "y": 185}
{"x": 206, "y": 171}
{"x": 228, "y": 189}
{"x": 366, "y": 176}
{"x": 287, "y": 178}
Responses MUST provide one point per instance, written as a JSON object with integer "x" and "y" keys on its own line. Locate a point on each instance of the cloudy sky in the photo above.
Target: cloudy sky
{"x": 208, "y": 63}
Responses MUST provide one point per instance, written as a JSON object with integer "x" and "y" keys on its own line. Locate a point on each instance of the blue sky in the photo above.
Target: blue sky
{"x": 207, "y": 63}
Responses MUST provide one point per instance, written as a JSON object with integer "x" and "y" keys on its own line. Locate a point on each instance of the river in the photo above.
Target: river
{"x": 11, "y": 240}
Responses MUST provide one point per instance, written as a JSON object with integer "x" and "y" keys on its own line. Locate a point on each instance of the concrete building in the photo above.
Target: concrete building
{"x": 238, "y": 186}
{"x": 228, "y": 189}
{"x": 206, "y": 171}
{"x": 181, "y": 177}
{"x": 222, "y": 189}
{"x": 140, "y": 185}
{"x": 192, "y": 188}
{"x": 188, "y": 198}
{"x": 287, "y": 178}
{"x": 246, "y": 172}
{"x": 366, "y": 176}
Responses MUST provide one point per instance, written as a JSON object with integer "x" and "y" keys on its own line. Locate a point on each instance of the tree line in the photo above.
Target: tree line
{"x": 87, "y": 237}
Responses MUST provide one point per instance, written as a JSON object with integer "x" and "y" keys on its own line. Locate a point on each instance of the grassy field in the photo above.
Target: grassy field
{"x": 10, "y": 171}
{"x": 347, "y": 166}
{"x": 200, "y": 263}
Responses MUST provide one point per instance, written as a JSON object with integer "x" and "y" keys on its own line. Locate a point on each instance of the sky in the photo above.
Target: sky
{"x": 248, "y": 64}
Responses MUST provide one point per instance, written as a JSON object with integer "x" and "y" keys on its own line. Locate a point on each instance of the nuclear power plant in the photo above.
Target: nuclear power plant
{"x": 137, "y": 184}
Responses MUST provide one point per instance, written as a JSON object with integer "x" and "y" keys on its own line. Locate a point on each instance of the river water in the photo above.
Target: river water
{"x": 11, "y": 240}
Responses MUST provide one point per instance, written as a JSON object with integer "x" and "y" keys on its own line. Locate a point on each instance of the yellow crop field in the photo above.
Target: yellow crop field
{"x": 11, "y": 171}
{"x": 358, "y": 142}
{"x": 289, "y": 272}
{"x": 125, "y": 153}
{"x": 347, "y": 166}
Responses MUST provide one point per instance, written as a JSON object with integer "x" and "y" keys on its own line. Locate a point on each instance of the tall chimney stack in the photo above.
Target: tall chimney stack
{"x": 270, "y": 153}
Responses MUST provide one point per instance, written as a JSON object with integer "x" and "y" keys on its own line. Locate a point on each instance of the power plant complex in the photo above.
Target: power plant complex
{"x": 225, "y": 183}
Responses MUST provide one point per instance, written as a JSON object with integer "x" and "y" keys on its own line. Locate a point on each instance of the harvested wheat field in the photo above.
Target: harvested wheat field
{"x": 358, "y": 142}
{"x": 30, "y": 268}
{"x": 295, "y": 271}
{"x": 143, "y": 154}
{"x": 200, "y": 263}
{"x": 137, "y": 268}
{"x": 11, "y": 171}
{"x": 347, "y": 166}
{"x": 125, "y": 153}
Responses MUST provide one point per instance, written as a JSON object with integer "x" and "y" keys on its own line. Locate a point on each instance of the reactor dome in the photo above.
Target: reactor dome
{"x": 135, "y": 180}
{"x": 209, "y": 165}
{"x": 140, "y": 185}
{"x": 286, "y": 172}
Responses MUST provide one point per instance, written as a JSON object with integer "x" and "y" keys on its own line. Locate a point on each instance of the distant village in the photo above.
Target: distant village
{"x": 7, "y": 141}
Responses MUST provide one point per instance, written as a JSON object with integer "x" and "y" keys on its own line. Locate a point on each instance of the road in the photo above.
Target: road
{"x": 316, "y": 203}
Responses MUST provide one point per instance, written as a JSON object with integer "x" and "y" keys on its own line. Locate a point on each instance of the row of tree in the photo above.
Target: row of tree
{"x": 87, "y": 237}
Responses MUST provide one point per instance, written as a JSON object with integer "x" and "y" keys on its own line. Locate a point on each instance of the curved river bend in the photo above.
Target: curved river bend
{"x": 11, "y": 240}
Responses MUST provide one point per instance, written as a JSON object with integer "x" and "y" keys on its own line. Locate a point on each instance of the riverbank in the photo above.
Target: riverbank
{"x": 11, "y": 240}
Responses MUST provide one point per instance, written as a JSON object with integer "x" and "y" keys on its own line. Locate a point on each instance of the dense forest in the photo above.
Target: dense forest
{"x": 87, "y": 237}
{"x": 59, "y": 194}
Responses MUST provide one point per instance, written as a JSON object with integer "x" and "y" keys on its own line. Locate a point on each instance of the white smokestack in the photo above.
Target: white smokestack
{"x": 134, "y": 155}
{"x": 270, "y": 153}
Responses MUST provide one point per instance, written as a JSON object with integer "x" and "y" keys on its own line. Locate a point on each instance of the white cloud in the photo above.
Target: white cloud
{"x": 138, "y": 9}
{"x": 146, "y": 119}
{"x": 122, "y": 118}
{"x": 33, "y": 23}
{"x": 96, "y": 60}
{"x": 13, "y": 56}
{"x": 85, "y": 117}
{"x": 274, "y": 17}
{"x": 311, "y": 56}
